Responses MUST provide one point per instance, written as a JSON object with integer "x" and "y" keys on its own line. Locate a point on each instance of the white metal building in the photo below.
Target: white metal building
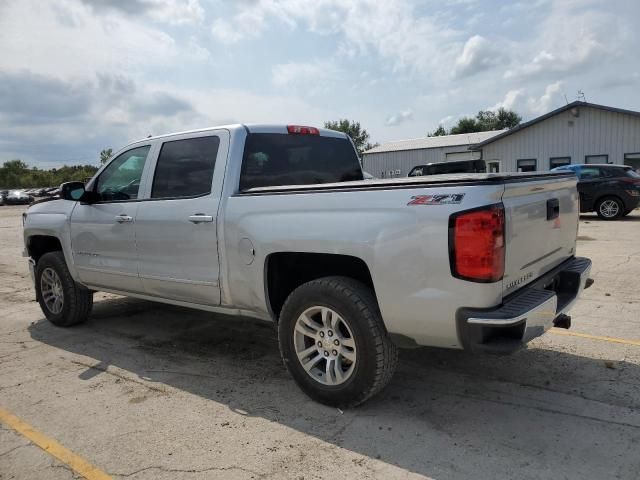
{"x": 579, "y": 132}
{"x": 396, "y": 159}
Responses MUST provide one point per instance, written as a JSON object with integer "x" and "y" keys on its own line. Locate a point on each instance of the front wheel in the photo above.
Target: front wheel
{"x": 610, "y": 208}
{"x": 63, "y": 301}
{"x": 334, "y": 343}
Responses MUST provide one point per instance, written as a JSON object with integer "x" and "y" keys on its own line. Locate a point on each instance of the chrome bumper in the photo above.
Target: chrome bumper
{"x": 527, "y": 313}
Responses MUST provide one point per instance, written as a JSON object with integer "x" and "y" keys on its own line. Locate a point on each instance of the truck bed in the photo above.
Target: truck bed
{"x": 457, "y": 179}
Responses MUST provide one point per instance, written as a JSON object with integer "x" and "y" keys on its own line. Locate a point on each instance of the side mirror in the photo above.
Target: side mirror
{"x": 73, "y": 191}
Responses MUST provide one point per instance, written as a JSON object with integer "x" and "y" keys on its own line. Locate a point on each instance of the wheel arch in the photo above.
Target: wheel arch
{"x": 286, "y": 271}
{"x": 38, "y": 245}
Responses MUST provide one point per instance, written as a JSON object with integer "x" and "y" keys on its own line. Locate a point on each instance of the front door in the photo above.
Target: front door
{"x": 102, "y": 233}
{"x": 176, "y": 231}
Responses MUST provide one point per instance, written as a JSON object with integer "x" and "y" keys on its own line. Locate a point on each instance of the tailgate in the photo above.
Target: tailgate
{"x": 541, "y": 225}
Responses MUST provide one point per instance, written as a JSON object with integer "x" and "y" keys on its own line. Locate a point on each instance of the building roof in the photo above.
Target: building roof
{"x": 568, "y": 106}
{"x": 462, "y": 139}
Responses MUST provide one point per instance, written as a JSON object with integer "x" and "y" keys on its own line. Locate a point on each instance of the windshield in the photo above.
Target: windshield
{"x": 273, "y": 159}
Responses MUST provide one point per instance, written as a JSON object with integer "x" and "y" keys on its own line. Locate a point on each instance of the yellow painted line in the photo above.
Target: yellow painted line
{"x": 53, "y": 448}
{"x": 596, "y": 337}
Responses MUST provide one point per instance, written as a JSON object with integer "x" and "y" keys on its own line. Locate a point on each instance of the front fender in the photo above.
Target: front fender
{"x": 51, "y": 219}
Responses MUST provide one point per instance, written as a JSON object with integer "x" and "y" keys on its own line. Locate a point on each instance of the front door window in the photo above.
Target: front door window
{"x": 120, "y": 181}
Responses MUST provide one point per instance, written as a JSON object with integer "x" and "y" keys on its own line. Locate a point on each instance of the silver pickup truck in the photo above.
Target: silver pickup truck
{"x": 277, "y": 223}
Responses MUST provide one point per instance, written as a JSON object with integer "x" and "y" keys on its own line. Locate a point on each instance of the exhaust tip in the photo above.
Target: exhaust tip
{"x": 562, "y": 321}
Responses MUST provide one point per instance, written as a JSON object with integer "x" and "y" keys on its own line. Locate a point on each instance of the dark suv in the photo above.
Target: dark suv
{"x": 462, "y": 166}
{"x": 612, "y": 191}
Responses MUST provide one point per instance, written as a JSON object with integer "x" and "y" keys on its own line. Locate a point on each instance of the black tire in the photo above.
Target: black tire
{"x": 616, "y": 212}
{"x": 77, "y": 300}
{"x": 377, "y": 355}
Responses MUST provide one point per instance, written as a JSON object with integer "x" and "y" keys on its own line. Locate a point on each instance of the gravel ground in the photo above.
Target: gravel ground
{"x": 149, "y": 391}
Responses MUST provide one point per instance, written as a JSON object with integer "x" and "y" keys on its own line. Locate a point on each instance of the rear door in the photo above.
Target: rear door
{"x": 176, "y": 233}
{"x": 540, "y": 229}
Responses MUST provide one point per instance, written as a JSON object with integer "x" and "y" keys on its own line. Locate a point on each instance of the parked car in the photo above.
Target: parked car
{"x": 612, "y": 191}
{"x": 463, "y": 166}
{"x": 17, "y": 197}
{"x": 277, "y": 223}
{"x": 3, "y": 194}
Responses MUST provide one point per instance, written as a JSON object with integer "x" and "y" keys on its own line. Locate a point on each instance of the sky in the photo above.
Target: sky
{"x": 77, "y": 76}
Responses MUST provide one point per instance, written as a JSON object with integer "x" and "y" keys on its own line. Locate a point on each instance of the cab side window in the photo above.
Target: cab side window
{"x": 185, "y": 168}
{"x": 120, "y": 181}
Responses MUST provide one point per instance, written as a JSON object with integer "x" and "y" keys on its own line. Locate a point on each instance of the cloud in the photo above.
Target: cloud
{"x": 478, "y": 54}
{"x": 160, "y": 103}
{"x": 27, "y": 98}
{"x": 312, "y": 76}
{"x": 399, "y": 118}
{"x": 572, "y": 39}
{"x": 617, "y": 81}
{"x": 110, "y": 110}
{"x": 392, "y": 30}
{"x": 167, "y": 11}
{"x": 550, "y": 99}
{"x": 94, "y": 44}
{"x": 531, "y": 105}
{"x": 224, "y": 32}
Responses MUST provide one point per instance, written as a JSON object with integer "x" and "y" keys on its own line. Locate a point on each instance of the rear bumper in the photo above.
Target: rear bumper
{"x": 525, "y": 314}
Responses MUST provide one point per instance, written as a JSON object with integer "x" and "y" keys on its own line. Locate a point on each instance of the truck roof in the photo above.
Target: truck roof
{"x": 249, "y": 127}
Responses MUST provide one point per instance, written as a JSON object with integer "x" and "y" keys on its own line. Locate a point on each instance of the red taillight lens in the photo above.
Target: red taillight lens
{"x": 476, "y": 241}
{"x": 630, "y": 180}
{"x": 300, "y": 130}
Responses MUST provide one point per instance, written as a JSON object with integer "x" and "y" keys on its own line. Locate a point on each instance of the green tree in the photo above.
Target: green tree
{"x": 17, "y": 174}
{"x": 465, "y": 125}
{"x": 506, "y": 119}
{"x": 358, "y": 134}
{"x": 438, "y": 132}
{"x": 487, "y": 120}
{"x": 498, "y": 120}
{"x": 105, "y": 155}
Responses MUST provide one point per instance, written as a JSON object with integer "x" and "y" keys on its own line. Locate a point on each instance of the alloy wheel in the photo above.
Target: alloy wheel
{"x": 51, "y": 289}
{"x": 609, "y": 208}
{"x": 325, "y": 346}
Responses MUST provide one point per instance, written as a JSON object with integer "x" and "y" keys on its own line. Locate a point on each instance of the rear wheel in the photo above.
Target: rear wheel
{"x": 334, "y": 343}
{"x": 63, "y": 301}
{"x": 610, "y": 208}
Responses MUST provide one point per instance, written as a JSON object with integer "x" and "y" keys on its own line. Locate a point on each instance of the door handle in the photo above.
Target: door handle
{"x": 200, "y": 218}
{"x": 124, "y": 219}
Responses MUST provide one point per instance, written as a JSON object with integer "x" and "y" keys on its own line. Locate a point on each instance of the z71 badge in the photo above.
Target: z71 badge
{"x": 442, "y": 199}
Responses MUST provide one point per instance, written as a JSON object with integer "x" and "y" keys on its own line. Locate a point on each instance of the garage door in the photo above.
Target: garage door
{"x": 458, "y": 156}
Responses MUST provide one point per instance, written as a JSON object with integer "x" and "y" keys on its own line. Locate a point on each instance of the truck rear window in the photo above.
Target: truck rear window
{"x": 272, "y": 159}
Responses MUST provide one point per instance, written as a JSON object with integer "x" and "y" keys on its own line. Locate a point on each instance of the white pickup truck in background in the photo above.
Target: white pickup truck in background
{"x": 277, "y": 223}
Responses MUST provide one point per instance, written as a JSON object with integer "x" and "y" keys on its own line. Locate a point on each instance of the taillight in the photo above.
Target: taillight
{"x": 476, "y": 244}
{"x": 300, "y": 130}
{"x": 631, "y": 180}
